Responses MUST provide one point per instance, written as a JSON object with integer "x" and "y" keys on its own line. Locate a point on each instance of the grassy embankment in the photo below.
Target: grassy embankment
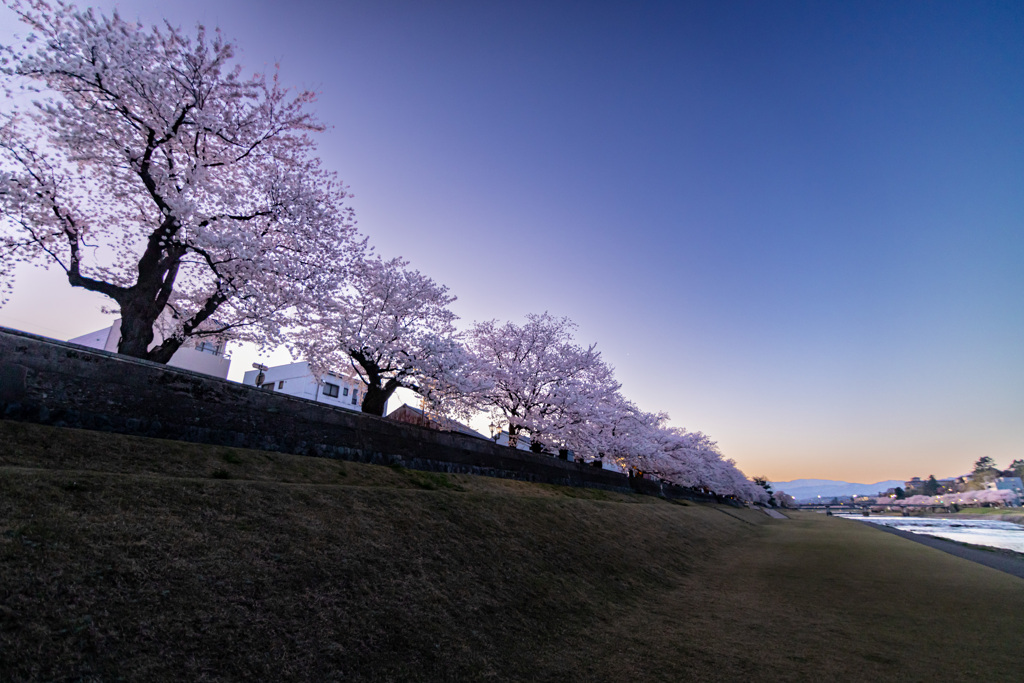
{"x": 151, "y": 560}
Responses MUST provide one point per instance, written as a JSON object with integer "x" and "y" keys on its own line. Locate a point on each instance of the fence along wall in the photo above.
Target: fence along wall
{"x": 62, "y": 384}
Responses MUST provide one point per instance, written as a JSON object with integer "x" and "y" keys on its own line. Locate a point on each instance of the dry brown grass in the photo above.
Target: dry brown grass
{"x": 125, "y": 558}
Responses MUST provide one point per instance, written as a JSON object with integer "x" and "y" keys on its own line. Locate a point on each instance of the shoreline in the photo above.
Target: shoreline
{"x": 1014, "y": 517}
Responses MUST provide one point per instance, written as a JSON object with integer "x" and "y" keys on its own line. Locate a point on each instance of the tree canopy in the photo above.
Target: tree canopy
{"x": 984, "y": 464}
{"x": 392, "y": 325}
{"x": 152, "y": 171}
{"x": 538, "y": 374}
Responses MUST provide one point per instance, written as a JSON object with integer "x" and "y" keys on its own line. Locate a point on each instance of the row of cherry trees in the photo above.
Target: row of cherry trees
{"x": 393, "y": 326}
{"x": 153, "y": 171}
{"x": 981, "y": 497}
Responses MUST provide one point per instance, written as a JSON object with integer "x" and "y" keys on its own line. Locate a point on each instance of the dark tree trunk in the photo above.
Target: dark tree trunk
{"x": 143, "y": 302}
{"x": 378, "y": 389}
{"x": 163, "y": 353}
{"x": 136, "y": 333}
{"x": 375, "y": 401}
{"x": 513, "y": 435}
{"x": 137, "y": 321}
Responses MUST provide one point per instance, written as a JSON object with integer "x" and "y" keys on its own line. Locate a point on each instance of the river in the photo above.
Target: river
{"x": 991, "y": 533}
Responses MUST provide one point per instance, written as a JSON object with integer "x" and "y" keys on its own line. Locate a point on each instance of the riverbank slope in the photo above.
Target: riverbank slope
{"x": 141, "y": 559}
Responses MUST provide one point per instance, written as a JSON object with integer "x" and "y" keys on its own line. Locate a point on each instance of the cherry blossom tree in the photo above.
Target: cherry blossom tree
{"x": 393, "y": 326}
{"x": 692, "y": 459}
{"x": 538, "y": 375}
{"x": 783, "y": 500}
{"x": 584, "y": 413}
{"x": 615, "y": 430}
{"x": 153, "y": 172}
{"x": 997, "y": 497}
{"x": 565, "y": 395}
{"x": 686, "y": 458}
{"x": 763, "y": 483}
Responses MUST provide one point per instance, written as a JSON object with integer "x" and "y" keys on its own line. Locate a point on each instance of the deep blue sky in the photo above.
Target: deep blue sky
{"x": 796, "y": 226}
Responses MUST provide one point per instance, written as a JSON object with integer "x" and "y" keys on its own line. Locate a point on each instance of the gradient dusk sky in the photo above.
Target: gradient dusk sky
{"x": 795, "y": 226}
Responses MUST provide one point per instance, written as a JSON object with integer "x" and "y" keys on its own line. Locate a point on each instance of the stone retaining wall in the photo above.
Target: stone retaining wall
{"x": 62, "y": 384}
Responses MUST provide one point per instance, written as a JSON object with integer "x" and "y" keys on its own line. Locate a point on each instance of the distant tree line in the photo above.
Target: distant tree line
{"x": 981, "y": 476}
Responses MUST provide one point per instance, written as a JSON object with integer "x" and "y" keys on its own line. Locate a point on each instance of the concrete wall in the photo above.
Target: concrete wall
{"x": 62, "y": 384}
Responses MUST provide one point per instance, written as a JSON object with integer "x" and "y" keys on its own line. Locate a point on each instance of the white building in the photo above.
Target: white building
{"x": 296, "y": 379}
{"x": 522, "y": 442}
{"x": 206, "y": 357}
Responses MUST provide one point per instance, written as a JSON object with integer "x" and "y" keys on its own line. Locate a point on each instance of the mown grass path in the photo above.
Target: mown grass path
{"x": 135, "y": 559}
{"x": 1004, "y": 560}
{"x": 820, "y": 598}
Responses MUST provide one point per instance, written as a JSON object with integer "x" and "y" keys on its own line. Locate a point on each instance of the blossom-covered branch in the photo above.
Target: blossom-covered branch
{"x": 199, "y": 186}
{"x": 392, "y": 325}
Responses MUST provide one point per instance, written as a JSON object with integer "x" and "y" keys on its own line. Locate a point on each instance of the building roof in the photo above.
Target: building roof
{"x": 406, "y": 413}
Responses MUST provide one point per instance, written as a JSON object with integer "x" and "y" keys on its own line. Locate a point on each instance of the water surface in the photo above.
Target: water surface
{"x": 991, "y": 533}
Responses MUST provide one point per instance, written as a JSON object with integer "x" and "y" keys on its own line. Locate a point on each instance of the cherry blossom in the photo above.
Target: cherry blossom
{"x": 693, "y": 460}
{"x": 540, "y": 379}
{"x": 980, "y": 497}
{"x": 392, "y": 325}
{"x": 152, "y": 171}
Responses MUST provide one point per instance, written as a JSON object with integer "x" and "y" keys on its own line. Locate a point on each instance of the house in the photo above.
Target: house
{"x": 522, "y": 442}
{"x": 205, "y": 356}
{"x": 297, "y": 379}
{"x": 406, "y": 413}
{"x": 1015, "y": 484}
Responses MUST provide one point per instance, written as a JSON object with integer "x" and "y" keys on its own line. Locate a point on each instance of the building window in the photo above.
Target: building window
{"x": 280, "y": 385}
{"x": 208, "y": 347}
{"x": 355, "y": 396}
{"x": 344, "y": 392}
{"x": 330, "y": 390}
{"x": 269, "y": 386}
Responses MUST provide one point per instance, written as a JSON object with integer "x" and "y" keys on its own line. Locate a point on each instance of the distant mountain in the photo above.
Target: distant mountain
{"x": 829, "y": 488}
